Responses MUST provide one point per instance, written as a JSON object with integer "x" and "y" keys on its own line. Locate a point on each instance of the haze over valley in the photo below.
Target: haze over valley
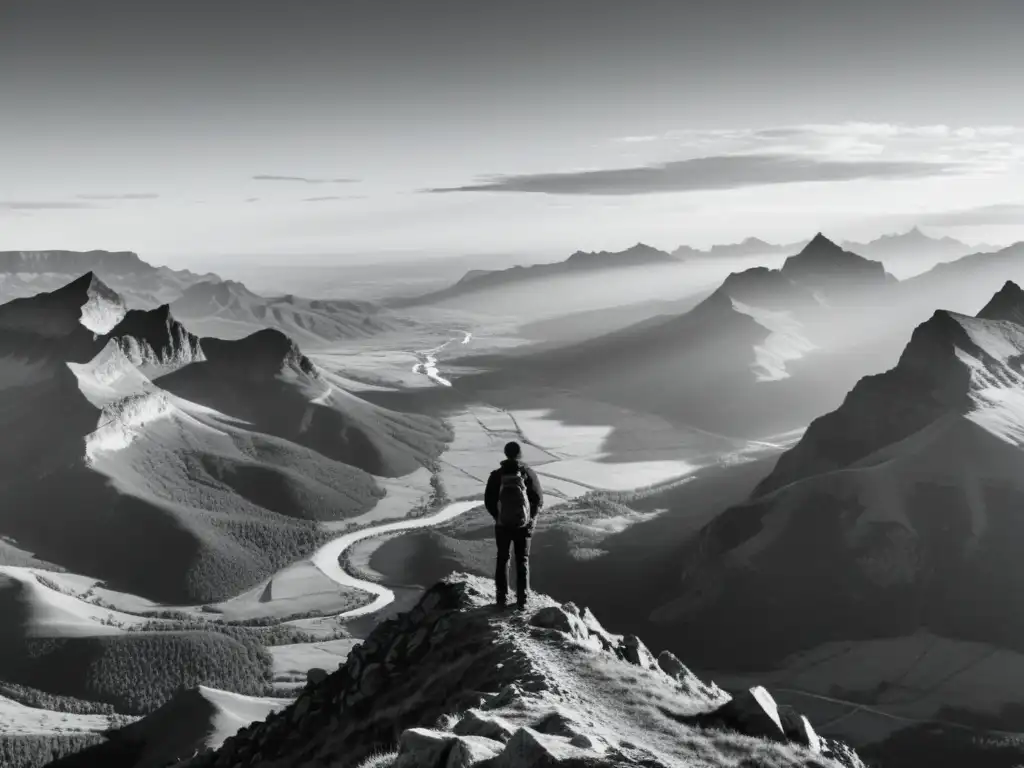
{"x": 282, "y": 284}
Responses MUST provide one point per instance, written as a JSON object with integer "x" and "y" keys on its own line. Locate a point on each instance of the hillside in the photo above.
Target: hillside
{"x": 895, "y": 517}
{"x": 195, "y": 719}
{"x": 227, "y": 309}
{"x": 456, "y": 682}
{"x": 180, "y": 469}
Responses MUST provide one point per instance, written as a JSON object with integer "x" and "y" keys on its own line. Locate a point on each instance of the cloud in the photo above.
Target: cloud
{"x": 303, "y": 179}
{"x": 127, "y": 196}
{"x": 31, "y": 205}
{"x": 332, "y": 197}
{"x": 1000, "y": 214}
{"x": 988, "y": 148}
{"x": 251, "y": 199}
{"x": 706, "y": 173}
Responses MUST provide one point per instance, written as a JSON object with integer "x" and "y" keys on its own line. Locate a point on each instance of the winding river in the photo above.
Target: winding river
{"x": 428, "y": 360}
{"x": 327, "y": 557}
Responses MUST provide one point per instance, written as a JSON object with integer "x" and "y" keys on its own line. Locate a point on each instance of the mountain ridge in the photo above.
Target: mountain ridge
{"x": 454, "y": 677}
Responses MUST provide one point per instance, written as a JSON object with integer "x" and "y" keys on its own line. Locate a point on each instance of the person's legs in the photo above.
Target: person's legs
{"x": 503, "y": 538}
{"x": 522, "y": 546}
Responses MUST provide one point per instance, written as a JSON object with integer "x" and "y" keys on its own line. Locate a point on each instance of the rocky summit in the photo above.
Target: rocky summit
{"x": 457, "y": 682}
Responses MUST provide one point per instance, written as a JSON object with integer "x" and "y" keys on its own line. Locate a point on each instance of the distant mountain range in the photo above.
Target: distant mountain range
{"x": 26, "y": 273}
{"x": 755, "y": 357}
{"x": 751, "y": 246}
{"x": 227, "y": 309}
{"x": 580, "y": 262}
{"x": 210, "y": 305}
{"x": 910, "y": 250}
{"x": 915, "y": 247}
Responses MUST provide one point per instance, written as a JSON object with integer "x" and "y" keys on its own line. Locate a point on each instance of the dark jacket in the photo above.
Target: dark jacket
{"x": 533, "y": 490}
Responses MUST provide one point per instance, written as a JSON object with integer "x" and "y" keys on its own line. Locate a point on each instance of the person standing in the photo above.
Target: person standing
{"x": 513, "y": 497}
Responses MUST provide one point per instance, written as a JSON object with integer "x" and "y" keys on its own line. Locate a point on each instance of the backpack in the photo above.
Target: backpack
{"x": 513, "y": 501}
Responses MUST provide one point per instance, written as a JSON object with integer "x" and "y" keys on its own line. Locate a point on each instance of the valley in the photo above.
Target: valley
{"x": 256, "y": 511}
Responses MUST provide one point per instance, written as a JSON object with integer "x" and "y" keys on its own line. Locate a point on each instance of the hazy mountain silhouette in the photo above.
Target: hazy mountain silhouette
{"x": 227, "y": 309}
{"x": 752, "y": 359}
{"x": 914, "y": 248}
{"x": 577, "y": 263}
{"x": 895, "y": 512}
{"x": 26, "y": 273}
{"x": 751, "y": 246}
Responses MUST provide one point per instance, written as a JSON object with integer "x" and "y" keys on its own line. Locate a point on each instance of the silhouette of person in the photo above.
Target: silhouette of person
{"x": 514, "y": 498}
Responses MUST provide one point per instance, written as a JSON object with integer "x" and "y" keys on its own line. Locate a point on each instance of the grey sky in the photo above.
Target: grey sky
{"x": 149, "y": 106}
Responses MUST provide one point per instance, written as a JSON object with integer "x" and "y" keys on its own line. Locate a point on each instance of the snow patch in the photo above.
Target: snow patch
{"x": 786, "y": 341}
{"x": 101, "y": 313}
{"x": 126, "y": 398}
{"x": 121, "y": 423}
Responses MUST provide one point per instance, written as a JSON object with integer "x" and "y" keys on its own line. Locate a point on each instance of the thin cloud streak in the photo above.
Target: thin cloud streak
{"x": 32, "y": 205}
{"x": 127, "y": 196}
{"x": 1000, "y": 214}
{"x": 303, "y": 179}
{"x": 707, "y": 173}
{"x": 331, "y": 197}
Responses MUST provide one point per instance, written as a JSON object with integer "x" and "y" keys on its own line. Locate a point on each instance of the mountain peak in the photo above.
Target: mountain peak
{"x": 84, "y": 302}
{"x": 1007, "y": 304}
{"x": 156, "y": 342}
{"x": 265, "y": 352}
{"x": 819, "y": 243}
{"x": 457, "y": 677}
{"x": 824, "y": 264}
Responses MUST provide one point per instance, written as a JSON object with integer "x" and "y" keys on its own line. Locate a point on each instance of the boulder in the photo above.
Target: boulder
{"x": 799, "y": 729}
{"x": 636, "y": 652}
{"x": 557, "y": 618}
{"x": 752, "y": 712}
{"x": 493, "y": 727}
{"x": 421, "y": 748}
{"x": 842, "y": 753}
{"x": 672, "y": 666}
{"x": 315, "y": 676}
{"x": 505, "y": 696}
{"x": 426, "y": 748}
{"x": 468, "y": 751}
{"x": 529, "y": 749}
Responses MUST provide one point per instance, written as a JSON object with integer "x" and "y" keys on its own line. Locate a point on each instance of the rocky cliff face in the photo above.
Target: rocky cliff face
{"x": 85, "y": 304}
{"x": 155, "y": 342}
{"x": 458, "y": 682}
{"x": 262, "y": 354}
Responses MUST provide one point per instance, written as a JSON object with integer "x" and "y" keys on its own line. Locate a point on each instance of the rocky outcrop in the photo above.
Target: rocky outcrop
{"x": 456, "y": 683}
{"x": 155, "y": 342}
